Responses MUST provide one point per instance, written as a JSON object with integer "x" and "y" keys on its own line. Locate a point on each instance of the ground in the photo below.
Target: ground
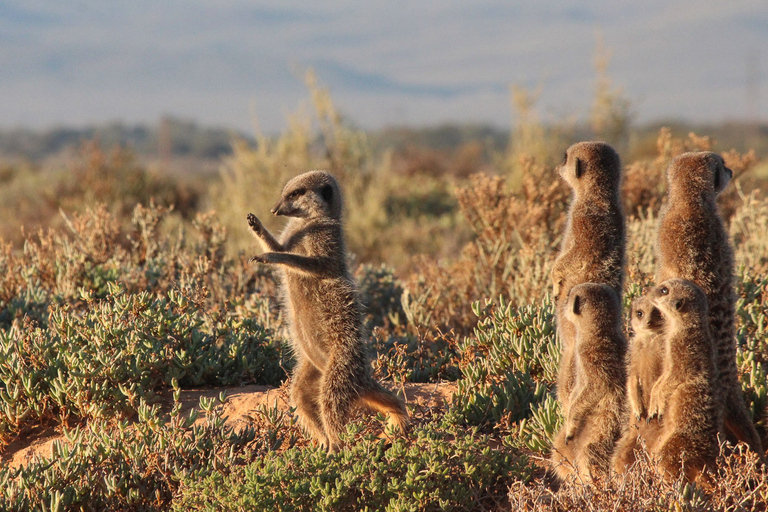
{"x": 241, "y": 403}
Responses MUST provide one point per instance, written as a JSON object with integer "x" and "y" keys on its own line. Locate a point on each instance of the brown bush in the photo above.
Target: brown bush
{"x": 645, "y": 181}
{"x": 511, "y": 255}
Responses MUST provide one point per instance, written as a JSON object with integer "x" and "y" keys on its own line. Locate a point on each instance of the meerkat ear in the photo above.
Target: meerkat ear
{"x": 679, "y": 304}
{"x": 722, "y": 177}
{"x": 577, "y": 305}
{"x": 327, "y": 193}
{"x": 578, "y": 167}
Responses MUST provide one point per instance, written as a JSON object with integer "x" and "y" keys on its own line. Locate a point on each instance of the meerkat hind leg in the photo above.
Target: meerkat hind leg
{"x": 624, "y": 453}
{"x": 338, "y": 393}
{"x": 305, "y": 391}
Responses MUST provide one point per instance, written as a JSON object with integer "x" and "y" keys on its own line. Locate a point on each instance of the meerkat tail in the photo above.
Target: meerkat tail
{"x": 736, "y": 420}
{"x": 382, "y": 400}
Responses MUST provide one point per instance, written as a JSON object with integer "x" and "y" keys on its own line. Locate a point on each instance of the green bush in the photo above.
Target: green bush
{"x": 509, "y": 363}
{"x": 118, "y": 465}
{"x": 433, "y": 469}
{"x": 105, "y": 357}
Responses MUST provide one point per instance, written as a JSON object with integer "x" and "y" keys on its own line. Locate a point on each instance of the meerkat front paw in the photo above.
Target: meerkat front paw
{"x": 636, "y": 403}
{"x": 255, "y": 223}
{"x": 639, "y": 411}
{"x": 656, "y": 406}
{"x": 570, "y": 430}
{"x": 262, "y": 258}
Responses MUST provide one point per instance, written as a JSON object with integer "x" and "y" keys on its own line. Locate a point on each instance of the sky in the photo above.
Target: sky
{"x": 234, "y": 63}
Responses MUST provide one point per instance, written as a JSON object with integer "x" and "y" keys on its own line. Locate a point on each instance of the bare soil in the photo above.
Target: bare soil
{"x": 240, "y": 405}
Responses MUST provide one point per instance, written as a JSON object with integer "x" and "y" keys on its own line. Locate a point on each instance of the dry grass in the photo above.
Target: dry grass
{"x": 740, "y": 484}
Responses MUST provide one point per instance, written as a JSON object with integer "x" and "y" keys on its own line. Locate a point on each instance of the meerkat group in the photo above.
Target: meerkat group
{"x": 680, "y": 387}
{"x": 672, "y": 391}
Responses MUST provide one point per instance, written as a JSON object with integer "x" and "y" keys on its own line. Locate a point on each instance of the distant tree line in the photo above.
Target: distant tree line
{"x": 170, "y": 137}
{"x": 173, "y": 137}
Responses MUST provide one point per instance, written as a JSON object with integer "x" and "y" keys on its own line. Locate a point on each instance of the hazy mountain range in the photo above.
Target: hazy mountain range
{"x": 395, "y": 62}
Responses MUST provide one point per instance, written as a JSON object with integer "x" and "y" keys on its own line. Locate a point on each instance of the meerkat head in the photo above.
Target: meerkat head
{"x": 698, "y": 173}
{"x": 680, "y": 300}
{"x": 591, "y": 167}
{"x": 594, "y": 305}
{"x": 645, "y": 316}
{"x": 312, "y": 194}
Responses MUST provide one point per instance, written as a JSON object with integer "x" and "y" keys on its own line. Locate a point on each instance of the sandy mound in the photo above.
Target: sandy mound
{"x": 239, "y": 409}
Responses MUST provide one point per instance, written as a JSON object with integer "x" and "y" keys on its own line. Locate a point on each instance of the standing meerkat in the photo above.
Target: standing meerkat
{"x": 332, "y": 373}
{"x": 646, "y": 354}
{"x": 596, "y": 406}
{"x": 683, "y": 399}
{"x": 694, "y": 245}
{"x": 593, "y": 243}
{"x": 644, "y": 367}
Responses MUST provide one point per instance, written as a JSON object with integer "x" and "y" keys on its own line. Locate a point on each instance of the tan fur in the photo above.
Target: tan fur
{"x": 592, "y": 249}
{"x": 644, "y": 367}
{"x": 683, "y": 399}
{"x": 332, "y": 373}
{"x": 593, "y": 419}
{"x": 694, "y": 245}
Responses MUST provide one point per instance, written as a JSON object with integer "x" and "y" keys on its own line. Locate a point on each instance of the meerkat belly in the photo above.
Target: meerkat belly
{"x": 320, "y": 321}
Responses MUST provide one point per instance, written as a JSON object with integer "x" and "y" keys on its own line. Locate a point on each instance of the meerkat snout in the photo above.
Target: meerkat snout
{"x": 654, "y": 318}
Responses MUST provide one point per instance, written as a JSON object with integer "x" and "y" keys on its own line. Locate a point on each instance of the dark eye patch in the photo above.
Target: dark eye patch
{"x": 296, "y": 193}
{"x": 579, "y": 168}
{"x": 327, "y": 193}
{"x": 577, "y": 305}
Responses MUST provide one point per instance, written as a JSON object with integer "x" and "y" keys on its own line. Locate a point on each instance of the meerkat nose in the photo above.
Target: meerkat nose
{"x": 275, "y": 208}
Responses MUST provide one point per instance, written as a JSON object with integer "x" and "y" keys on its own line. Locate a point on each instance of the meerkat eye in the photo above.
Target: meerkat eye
{"x": 664, "y": 290}
{"x": 296, "y": 193}
{"x": 639, "y": 314}
{"x": 565, "y": 157}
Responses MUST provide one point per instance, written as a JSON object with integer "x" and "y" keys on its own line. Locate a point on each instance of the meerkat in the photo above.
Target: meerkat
{"x": 683, "y": 398}
{"x": 694, "y": 245}
{"x": 332, "y": 373}
{"x": 594, "y": 417}
{"x": 593, "y": 244}
{"x": 644, "y": 367}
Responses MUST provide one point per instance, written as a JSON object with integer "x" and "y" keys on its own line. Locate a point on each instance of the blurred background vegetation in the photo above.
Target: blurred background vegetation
{"x": 406, "y": 188}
